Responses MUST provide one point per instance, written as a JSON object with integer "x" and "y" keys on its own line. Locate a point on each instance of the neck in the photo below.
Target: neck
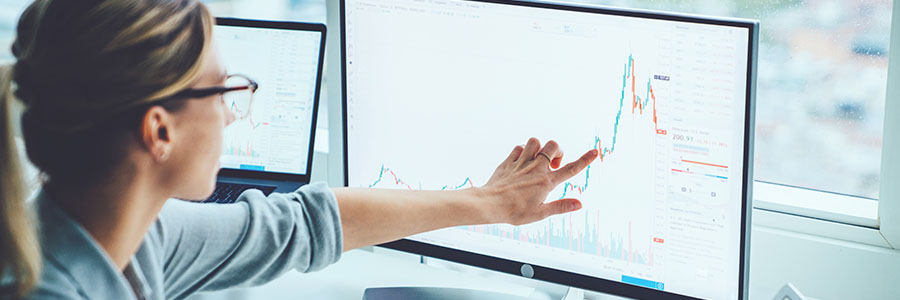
{"x": 117, "y": 215}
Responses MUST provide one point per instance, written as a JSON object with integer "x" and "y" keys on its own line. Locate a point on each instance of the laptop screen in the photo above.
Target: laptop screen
{"x": 276, "y": 136}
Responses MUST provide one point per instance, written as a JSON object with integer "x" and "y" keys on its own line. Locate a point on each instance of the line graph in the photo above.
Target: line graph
{"x": 400, "y": 182}
{"x": 638, "y": 104}
{"x": 586, "y": 233}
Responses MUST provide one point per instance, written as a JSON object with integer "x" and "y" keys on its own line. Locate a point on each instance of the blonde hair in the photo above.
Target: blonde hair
{"x": 86, "y": 71}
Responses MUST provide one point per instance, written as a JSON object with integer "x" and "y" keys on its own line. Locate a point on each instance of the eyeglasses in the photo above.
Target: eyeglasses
{"x": 237, "y": 92}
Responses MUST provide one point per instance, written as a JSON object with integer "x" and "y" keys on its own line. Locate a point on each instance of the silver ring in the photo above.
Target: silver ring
{"x": 550, "y": 160}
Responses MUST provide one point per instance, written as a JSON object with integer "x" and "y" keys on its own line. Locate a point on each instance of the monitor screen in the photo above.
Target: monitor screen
{"x": 274, "y": 134}
{"x": 438, "y": 92}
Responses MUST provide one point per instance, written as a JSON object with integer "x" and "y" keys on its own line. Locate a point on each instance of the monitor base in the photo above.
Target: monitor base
{"x": 436, "y": 293}
{"x": 433, "y": 293}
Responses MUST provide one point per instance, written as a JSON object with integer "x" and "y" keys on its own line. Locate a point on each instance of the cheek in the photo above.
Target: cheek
{"x": 207, "y": 143}
{"x": 215, "y": 142}
{"x": 221, "y": 124}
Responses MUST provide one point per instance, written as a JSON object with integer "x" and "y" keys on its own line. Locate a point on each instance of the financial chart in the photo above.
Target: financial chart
{"x": 439, "y": 92}
{"x": 274, "y": 136}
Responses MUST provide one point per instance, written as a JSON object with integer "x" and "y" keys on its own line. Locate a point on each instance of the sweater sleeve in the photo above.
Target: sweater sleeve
{"x": 210, "y": 247}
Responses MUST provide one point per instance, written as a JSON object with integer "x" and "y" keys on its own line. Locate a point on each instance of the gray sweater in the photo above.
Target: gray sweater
{"x": 194, "y": 247}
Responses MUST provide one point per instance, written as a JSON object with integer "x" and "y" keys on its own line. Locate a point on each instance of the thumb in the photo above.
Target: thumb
{"x": 560, "y": 207}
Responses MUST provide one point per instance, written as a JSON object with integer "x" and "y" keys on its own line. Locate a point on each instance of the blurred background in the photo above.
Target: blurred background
{"x": 822, "y": 79}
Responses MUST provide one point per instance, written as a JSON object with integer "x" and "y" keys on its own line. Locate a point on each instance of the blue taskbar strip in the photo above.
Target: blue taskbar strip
{"x": 253, "y": 168}
{"x": 644, "y": 282}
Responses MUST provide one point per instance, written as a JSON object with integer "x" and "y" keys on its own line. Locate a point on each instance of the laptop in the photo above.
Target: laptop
{"x": 271, "y": 149}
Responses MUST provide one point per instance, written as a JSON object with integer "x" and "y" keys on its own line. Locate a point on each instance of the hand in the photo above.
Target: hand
{"x": 518, "y": 188}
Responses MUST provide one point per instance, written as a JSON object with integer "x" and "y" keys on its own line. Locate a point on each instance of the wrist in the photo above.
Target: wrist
{"x": 482, "y": 205}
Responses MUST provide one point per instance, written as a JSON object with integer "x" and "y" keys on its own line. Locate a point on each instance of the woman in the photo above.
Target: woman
{"x": 125, "y": 110}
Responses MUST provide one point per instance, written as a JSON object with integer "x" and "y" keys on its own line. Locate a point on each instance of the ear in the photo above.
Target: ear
{"x": 157, "y": 130}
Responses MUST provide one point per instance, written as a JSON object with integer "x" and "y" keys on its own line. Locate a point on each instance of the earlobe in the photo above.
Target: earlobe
{"x": 164, "y": 156}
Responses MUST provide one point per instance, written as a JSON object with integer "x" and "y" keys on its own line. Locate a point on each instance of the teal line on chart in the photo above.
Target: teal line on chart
{"x": 380, "y": 176}
{"x": 628, "y": 73}
{"x": 468, "y": 181}
{"x": 399, "y": 181}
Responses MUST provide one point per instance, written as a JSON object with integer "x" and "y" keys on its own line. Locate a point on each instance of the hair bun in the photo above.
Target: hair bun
{"x": 23, "y": 82}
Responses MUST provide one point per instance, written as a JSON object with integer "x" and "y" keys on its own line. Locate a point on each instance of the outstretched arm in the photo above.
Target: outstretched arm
{"x": 205, "y": 248}
{"x": 515, "y": 194}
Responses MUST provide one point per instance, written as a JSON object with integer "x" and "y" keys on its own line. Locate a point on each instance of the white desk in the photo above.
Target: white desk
{"x": 360, "y": 269}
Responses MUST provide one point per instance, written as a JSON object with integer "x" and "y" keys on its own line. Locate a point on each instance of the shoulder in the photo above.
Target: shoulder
{"x": 56, "y": 283}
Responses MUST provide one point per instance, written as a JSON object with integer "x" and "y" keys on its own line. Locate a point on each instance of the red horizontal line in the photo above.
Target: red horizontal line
{"x": 705, "y": 164}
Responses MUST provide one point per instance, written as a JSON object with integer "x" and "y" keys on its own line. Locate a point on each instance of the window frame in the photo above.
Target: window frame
{"x": 844, "y": 209}
{"x": 889, "y": 195}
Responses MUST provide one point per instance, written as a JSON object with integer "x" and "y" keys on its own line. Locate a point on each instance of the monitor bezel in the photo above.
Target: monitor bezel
{"x": 284, "y": 25}
{"x": 586, "y": 282}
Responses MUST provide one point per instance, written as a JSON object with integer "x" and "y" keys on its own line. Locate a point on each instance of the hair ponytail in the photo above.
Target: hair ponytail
{"x": 20, "y": 257}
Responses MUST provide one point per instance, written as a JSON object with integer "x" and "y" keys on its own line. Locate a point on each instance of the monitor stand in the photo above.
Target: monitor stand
{"x": 436, "y": 293}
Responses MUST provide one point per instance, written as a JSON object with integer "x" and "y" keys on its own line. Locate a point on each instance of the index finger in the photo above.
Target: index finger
{"x": 575, "y": 167}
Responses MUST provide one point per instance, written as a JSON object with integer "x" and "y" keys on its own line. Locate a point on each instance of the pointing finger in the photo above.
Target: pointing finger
{"x": 575, "y": 167}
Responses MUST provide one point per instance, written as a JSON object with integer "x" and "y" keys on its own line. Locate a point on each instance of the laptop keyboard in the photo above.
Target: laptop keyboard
{"x": 229, "y": 192}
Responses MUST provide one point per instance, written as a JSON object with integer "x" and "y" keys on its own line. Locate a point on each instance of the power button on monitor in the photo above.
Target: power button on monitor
{"x": 527, "y": 271}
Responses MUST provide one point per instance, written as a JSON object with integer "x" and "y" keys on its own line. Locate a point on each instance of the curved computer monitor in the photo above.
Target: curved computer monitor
{"x": 436, "y": 94}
